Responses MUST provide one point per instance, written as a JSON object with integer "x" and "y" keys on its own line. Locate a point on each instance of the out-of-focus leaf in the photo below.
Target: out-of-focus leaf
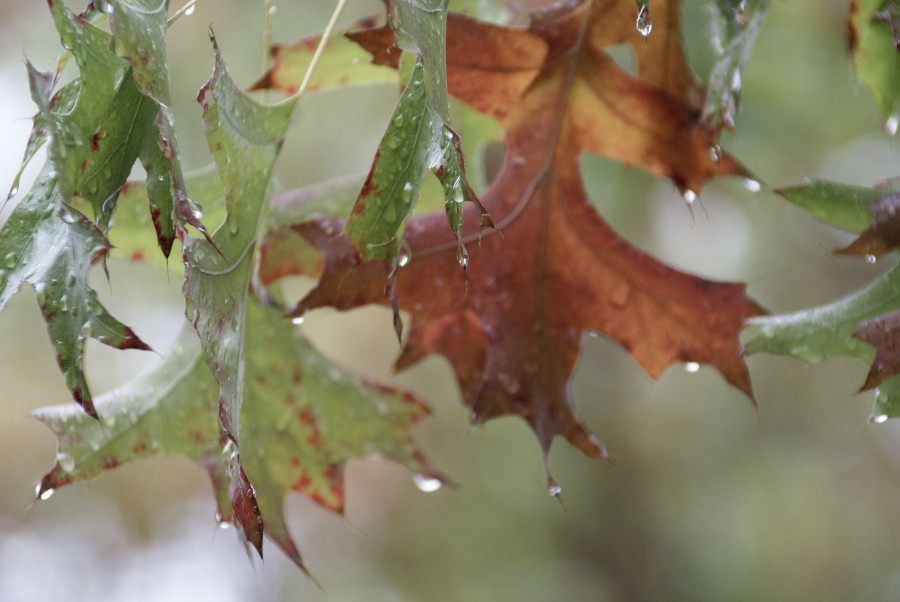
{"x": 244, "y": 138}
{"x": 873, "y": 211}
{"x": 342, "y": 63}
{"x": 841, "y": 205}
{"x": 864, "y": 325}
{"x": 876, "y": 52}
{"x": 827, "y": 331}
{"x": 735, "y": 24}
{"x": 51, "y": 246}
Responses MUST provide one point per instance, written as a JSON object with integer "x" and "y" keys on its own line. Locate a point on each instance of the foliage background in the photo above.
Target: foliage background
{"x": 708, "y": 499}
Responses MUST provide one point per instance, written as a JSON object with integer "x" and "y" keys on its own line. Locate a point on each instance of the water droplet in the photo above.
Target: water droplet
{"x": 407, "y": 193}
{"x": 689, "y": 196}
{"x": 65, "y": 461}
{"x": 892, "y": 123}
{"x": 691, "y": 367}
{"x": 427, "y": 484}
{"x": 880, "y": 418}
{"x": 192, "y": 7}
{"x": 403, "y": 256}
{"x": 45, "y": 494}
{"x": 298, "y": 320}
{"x": 398, "y": 119}
{"x": 715, "y": 151}
{"x": 393, "y": 142}
{"x": 64, "y": 304}
{"x": 462, "y": 256}
{"x": 10, "y": 260}
{"x": 13, "y": 191}
{"x": 553, "y": 487}
{"x": 273, "y": 10}
{"x": 458, "y": 195}
{"x": 870, "y": 259}
{"x": 736, "y": 82}
{"x": 643, "y": 23}
{"x": 752, "y": 185}
{"x": 86, "y": 329}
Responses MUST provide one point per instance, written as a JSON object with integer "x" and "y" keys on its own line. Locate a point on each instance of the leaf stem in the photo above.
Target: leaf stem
{"x": 325, "y": 35}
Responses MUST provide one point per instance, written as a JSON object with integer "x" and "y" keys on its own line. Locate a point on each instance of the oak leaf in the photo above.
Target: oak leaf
{"x": 553, "y": 270}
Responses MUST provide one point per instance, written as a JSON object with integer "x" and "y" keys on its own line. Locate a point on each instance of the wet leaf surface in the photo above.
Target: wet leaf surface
{"x": 876, "y": 52}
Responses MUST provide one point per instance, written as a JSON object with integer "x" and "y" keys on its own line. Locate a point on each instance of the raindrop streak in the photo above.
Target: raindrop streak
{"x": 427, "y": 484}
{"x": 643, "y": 23}
{"x": 880, "y": 418}
{"x": 691, "y": 367}
{"x": 892, "y": 123}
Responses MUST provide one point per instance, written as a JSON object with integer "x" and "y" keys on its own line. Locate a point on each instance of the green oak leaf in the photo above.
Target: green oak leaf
{"x": 139, "y": 30}
{"x": 50, "y": 245}
{"x": 302, "y": 419}
{"x": 170, "y": 409}
{"x": 735, "y": 24}
{"x": 97, "y": 126}
{"x": 245, "y": 138}
{"x": 416, "y": 139}
{"x": 876, "y": 52}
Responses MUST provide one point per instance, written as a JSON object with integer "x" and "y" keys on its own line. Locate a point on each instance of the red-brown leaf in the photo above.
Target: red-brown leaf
{"x": 554, "y": 269}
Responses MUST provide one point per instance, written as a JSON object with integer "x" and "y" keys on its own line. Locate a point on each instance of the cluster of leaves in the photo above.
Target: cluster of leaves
{"x": 503, "y": 286}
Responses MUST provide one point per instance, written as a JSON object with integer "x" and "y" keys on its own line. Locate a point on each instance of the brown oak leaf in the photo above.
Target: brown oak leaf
{"x": 553, "y": 270}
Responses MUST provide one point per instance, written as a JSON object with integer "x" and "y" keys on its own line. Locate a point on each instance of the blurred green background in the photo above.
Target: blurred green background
{"x": 709, "y": 499}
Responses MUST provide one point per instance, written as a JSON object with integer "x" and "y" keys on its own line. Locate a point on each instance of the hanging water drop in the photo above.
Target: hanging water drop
{"x": 403, "y": 256}
{"x": 870, "y": 259}
{"x": 643, "y": 23}
{"x": 689, "y": 196}
{"x": 298, "y": 320}
{"x": 190, "y": 10}
{"x": 752, "y": 185}
{"x": 892, "y": 123}
{"x": 462, "y": 256}
{"x": 553, "y": 487}
{"x": 45, "y": 494}
{"x": 691, "y": 367}
{"x": 880, "y": 418}
{"x": 427, "y": 484}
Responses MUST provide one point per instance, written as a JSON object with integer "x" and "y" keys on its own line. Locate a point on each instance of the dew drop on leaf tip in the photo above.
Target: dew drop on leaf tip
{"x": 553, "y": 487}
{"x": 190, "y": 10}
{"x": 643, "y": 24}
{"x": 689, "y": 196}
{"x": 691, "y": 367}
{"x": 892, "y": 123}
{"x": 43, "y": 494}
{"x": 880, "y": 418}
{"x": 298, "y": 320}
{"x": 870, "y": 259}
{"x": 427, "y": 484}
